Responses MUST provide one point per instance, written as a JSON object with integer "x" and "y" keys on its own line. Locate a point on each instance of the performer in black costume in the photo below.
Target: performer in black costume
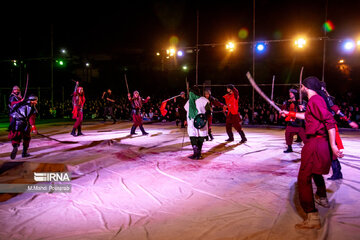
{"x": 22, "y": 123}
{"x": 109, "y": 102}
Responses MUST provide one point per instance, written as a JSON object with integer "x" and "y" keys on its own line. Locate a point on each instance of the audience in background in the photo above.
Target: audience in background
{"x": 262, "y": 114}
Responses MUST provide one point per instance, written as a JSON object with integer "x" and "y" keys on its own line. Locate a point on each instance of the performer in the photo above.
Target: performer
{"x": 213, "y": 102}
{"x": 23, "y": 122}
{"x": 136, "y": 104}
{"x": 78, "y": 102}
{"x": 194, "y": 106}
{"x": 182, "y": 113}
{"x": 14, "y": 99}
{"x": 109, "y": 105}
{"x": 335, "y": 110}
{"x": 316, "y": 154}
{"x": 293, "y": 126}
{"x": 233, "y": 115}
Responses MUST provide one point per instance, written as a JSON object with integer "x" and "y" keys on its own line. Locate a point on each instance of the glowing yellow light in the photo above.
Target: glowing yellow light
{"x": 230, "y": 46}
{"x": 358, "y": 43}
{"x": 157, "y": 54}
{"x": 341, "y": 61}
{"x": 172, "y": 52}
{"x": 300, "y": 43}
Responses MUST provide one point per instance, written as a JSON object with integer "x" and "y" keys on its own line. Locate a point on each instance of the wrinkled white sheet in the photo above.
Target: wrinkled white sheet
{"x": 145, "y": 187}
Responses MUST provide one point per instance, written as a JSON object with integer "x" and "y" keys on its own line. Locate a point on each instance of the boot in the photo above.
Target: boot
{"x": 211, "y": 136}
{"x": 132, "y": 132}
{"x": 14, "y": 151}
{"x": 336, "y": 168}
{"x": 79, "y": 131}
{"x": 242, "y": 135}
{"x": 199, "y": 148}
{"x": 322, "y": 201}
{"x": 25, "y": 153}
{"x": 312, "y": 221}
{"x": 195, "y": 149}
{"x": 230, "y": 139}
{"x": 143, "y": 131}
{"x": 289, "y": 149}
{"x": 73, "y": 132}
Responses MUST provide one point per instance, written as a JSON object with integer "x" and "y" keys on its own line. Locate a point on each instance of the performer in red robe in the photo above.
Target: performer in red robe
{"x": 316, "y": 153}
{"x": 78, "y": 102}
{"x": 136, "y": 104}
{"x": 293, "y": 126}
{"x": 233, "y": 115}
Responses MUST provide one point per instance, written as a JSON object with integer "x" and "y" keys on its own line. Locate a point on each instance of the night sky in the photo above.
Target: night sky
{"x": 130, "y": 34}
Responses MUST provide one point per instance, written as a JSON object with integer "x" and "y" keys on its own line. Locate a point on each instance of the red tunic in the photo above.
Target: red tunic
{"x": 78, "y": 104}
{"x": 315, "y": 155}
{"x": 232, "y": 102}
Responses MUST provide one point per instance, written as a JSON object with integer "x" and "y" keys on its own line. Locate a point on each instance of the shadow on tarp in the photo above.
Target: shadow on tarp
{"x": 218, "y": 150}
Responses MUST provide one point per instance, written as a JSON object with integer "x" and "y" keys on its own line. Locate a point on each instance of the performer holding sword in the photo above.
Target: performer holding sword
{"x": 316, "y": 153}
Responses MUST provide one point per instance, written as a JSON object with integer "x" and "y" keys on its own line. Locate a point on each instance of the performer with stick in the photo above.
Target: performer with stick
{"x": 136, "y": 104}
{"x": 293, "y": 126}
{"x": 109, "y": 105}
{"x": 78, "y": 101}
{"x": 316, "y": 153}
{"x": 23, "y": 122}
{"x": 213, "y": 102}
{"x": 15, "y": 98}
{"x": 233, "y": 115}
{"x": 335, "y": 110}
{"x": 180, "y": 102}
{"x": 197, "y": 108}
{"x": 163, "y": 110}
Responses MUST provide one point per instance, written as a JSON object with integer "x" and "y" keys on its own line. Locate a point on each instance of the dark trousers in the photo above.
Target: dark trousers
{"x": 109, "y": 111}
{"x": 79, "y": 120}
{"x": 209, "y": 124}
{"x": 232, "y": 120}
{"x": 291, "y": 131}
{"x": 182, "y": 117}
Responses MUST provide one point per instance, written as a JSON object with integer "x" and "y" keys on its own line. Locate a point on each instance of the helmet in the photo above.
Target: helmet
{"x": 32, "y": 97}
{"x": 16, "y": 88}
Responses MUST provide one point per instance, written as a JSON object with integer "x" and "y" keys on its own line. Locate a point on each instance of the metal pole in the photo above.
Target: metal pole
{"x": 272, "y": 88}
{"x": 63, "y": 98}
{"x": 253, "y": 61}
{"x": 324, "y": 47}
{"x": 187, "y": 86}
{"x": 52, "y": 66}
{"x": 20, "y": 63}
{"x": 197, "y": 48}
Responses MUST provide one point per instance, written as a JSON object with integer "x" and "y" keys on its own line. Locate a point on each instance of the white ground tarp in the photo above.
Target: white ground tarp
{"x": 145, "y": 187}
